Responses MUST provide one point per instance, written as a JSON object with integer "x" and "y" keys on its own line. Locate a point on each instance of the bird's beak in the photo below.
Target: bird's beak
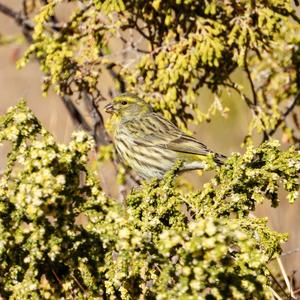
{"x": 109, "y": 108}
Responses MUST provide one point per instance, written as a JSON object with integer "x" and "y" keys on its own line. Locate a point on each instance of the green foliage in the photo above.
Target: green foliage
{"x": 276, "y": 73}
{"x": 165, "y": 244}
{"x": 42, "y": 192}
{"x": 62, "y": 237}
{"x": 178, "y": 48}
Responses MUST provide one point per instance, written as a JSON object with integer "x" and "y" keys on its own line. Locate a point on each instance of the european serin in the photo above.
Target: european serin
{"x": 149, "y": 143}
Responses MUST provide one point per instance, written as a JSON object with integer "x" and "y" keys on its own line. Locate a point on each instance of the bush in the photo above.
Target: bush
{"x": 165, "y": 244}
{"x": 61, "y": 236}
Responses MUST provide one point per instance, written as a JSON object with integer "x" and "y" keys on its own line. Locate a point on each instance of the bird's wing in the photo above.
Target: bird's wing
{"x": 154, "y": 130}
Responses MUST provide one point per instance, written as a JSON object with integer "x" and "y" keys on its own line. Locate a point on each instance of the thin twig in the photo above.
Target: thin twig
{"x": 275, "y": 294}
{"x": 286, "y": 279}
{"x": 115, "y": 75}
{"x": 295, "y": 17}
{"x": 56, "y": 277}
{"x": 11, "y": 13}
{"x": 20, "y": 19}
{"x": 234, "y": 86}
{"x": 246, "y": 67}
{"x": 290, "y": 252}
{"x": 289, "y": 109}
{"x": 277, "y": 283}
{"x": 254, "y": 106}
{"x": 251, "y": 105}
{"x": 297, "y": 291}
{"x": 24, "y": 6}
{"x": 100, "y": 135}
{"x": 78, "y": 283}
{"x": 75, "y": 113}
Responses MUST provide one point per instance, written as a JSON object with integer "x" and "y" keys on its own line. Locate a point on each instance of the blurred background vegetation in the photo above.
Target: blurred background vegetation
{"x": 135, "y": 45}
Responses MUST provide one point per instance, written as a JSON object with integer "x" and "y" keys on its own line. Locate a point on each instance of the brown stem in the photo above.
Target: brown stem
{"x": 254, "y": 103}
{"x": 99, "y": 133}
{"x": 11, "y": 13}
{"x": 246, "y": 67}
{"x": 75, "y": 113}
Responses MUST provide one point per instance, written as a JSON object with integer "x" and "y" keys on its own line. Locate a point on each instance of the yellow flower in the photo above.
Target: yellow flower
{"x": 149, "y": 143}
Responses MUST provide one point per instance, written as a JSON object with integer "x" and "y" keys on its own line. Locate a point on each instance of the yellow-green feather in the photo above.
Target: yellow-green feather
{"x": 150, "y": 144}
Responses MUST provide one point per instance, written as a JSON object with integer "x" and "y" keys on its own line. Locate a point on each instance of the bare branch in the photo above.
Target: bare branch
{"x": 254, "y": 103}
{"x": 22, "y": 20}
{"x": 75, "y": 113}
{"x": 11, "y": 13}
{"x": 278, "y": 284}
{"x": 116, "y": 76}
{"x": 19, "y": 17}
{"x": 246, "y": 68}
{"x": 99, "y": 133}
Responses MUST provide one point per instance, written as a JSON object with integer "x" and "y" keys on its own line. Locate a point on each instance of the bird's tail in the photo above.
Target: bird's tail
{"x": 219, "y": 159}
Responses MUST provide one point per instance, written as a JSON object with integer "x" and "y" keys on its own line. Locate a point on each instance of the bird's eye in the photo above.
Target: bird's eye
{"x": 124, "y": 102}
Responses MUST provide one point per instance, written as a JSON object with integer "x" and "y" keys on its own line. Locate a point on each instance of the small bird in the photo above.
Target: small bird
{"x": 149, "y": 143}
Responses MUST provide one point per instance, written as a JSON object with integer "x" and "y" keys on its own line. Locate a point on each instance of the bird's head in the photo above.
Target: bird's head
{"x": 128, "y": 106}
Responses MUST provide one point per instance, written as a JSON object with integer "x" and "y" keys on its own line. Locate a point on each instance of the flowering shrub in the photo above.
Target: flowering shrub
{"x": 165, "y": 244}
{"x": 61, "y": 236}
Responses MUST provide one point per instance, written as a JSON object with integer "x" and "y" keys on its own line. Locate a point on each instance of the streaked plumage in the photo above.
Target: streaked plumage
{"x": 149, "y": 143}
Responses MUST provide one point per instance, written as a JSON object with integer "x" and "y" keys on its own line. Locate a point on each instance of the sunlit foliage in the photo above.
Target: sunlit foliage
{"x": 61, "y": 236}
